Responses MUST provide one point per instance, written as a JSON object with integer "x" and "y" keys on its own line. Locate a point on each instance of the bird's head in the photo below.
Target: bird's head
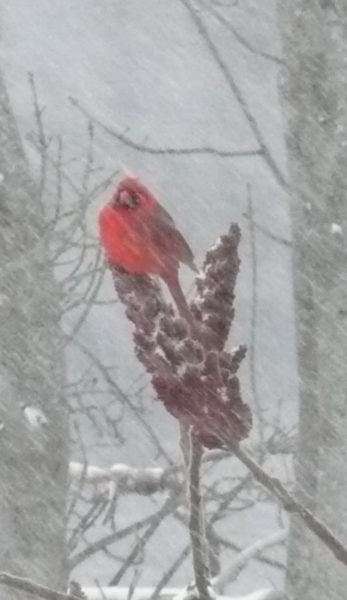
{"x": 131, "y": 195}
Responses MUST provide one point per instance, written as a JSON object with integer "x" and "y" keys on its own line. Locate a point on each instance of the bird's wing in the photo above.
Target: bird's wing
{"x": 166, "y": 236}
{"x": 160, "y": 213}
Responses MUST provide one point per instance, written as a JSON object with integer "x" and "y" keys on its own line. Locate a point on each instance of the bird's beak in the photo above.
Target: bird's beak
{"x": 123, "y": 198}
{"x": 127, "y": 199}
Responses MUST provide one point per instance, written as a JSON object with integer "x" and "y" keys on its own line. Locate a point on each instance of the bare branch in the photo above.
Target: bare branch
{"x": 196, "y": 519}
{"x": 86, "y": 522}
{"x": 231, "y": 572}
{"x": 107, "y": 540}
{"x": 127, "y": 479}
{"x": 237, "y": 93}
{"x": 166, "y": 509}
{"x": 268, "y": 233}
{"x": 291, "y": 505}
{"x": 42, "y": 141}
{"x": 41, "y": 591}
{"x": 254, "y": 314}
{"x": 161, "y": 150}
{"x": 125, "y": 398}
{"x": 240, "y": 38}
{"x": 158, "y": 590}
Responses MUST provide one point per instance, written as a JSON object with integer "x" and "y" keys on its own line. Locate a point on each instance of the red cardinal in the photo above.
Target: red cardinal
{"x": 141, "y": 237}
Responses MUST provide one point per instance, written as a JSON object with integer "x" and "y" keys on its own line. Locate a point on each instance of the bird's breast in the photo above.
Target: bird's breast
{"x": 127, "y": 243}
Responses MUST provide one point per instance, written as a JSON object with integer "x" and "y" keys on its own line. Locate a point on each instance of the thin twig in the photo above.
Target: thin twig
{"x": 85, "y": 312}
{"x": 275, "y": 238}
{"x": 88, "y": 168}
{"x": 98, "y": 585}
{"x": 85, "y": 522}
{"x": 236, "y": 548}
{"x": 231, "y": 572}
{"x": 227, "y": 500}
{"x": 162, "y": 150}
{"x": 237, "y": 93}
{"x": 133, "y": 584}
{"x": 254, "y": 311}
{"x": 242, "y": 40}
{"x": 109, "y": 539}
{"x": 115, "y": 386}
{"x": 79, "y": 488}
{"x": 43, "y": 143}
{"x": 166, "y": 509}
{"x": 169, "y": 573}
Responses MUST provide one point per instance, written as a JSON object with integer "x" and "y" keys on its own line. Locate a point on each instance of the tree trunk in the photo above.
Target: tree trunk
{"x": 33, "y": 464}
{"x": 314, "y": 93}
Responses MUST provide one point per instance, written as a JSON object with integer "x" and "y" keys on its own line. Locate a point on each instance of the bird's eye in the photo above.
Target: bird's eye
{"x": 128, "y": 200}
{"x": 134, "y": 199}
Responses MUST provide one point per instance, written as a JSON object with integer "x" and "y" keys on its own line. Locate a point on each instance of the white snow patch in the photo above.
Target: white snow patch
{"x": 159, "y": 352}
{"x": 201, "y": 276}
{"x": 35, "y": 416}
{"x": 122, "y": 593}
{"x": 336, "y": 229}
{"x": 91, "y": 473}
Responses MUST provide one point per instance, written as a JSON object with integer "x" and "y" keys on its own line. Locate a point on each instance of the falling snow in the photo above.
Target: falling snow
{"x": 231, "y": 112}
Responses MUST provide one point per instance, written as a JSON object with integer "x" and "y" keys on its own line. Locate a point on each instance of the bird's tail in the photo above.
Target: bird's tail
{"x": 173, "y": 283}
